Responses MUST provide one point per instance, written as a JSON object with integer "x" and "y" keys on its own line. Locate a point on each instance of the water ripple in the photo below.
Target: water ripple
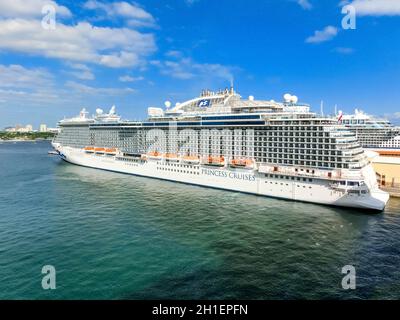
{"x": 113, "y": 236}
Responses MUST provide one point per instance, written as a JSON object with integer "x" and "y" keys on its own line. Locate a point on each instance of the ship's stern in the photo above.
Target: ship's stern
{"x": 378, "y": 198}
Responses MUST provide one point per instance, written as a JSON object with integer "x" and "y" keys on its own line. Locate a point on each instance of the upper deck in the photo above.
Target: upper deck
{"x": 221, "y": 108}
{"x": 226, "y": 102}
{"x": 362, "y": 120}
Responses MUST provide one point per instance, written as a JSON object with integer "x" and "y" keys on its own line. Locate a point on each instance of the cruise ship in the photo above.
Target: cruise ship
{"x": 373, "y": 133}
{"x": 221, "y": 140}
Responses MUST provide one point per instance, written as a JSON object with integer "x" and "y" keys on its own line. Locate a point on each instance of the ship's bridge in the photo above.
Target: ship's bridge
{"x": 99, "y": 117}
{"x": 81, "y": 119}
{"x": 361, "y": 119}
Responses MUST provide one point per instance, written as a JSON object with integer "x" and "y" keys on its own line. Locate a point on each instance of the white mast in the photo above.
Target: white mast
{"x": 322, "y": 108}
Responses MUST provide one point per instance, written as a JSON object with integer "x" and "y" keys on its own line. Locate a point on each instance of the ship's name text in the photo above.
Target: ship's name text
{"x": 227, "y": 174}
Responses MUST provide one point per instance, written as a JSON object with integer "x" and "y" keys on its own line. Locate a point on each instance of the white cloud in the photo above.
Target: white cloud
{"x": 120, "y": 60}
{"x": 81, "y": 71}
{"x": 112, "y": 47}
{"x": 305, "y": 4}
{"x": 35, "y": 87}
{"x": 174, "y": 54}
{"x": 29, "y": 9}
{"x": 344, "y": 50}
{"x": 85, "y": 89}
{"x": 134, "y": 15}
{"x": 26, "y": 85}
{"x": 394, "y": 118}
{"x": 16, "y": 76}
{"x": 375, "y": 7}
{"x": 24, "y": 95}
{"x": 191, "y": 2}
{"x": 185, "y": 68}
{"x": 130, "y": 79}
{"x": 328, "y": 33}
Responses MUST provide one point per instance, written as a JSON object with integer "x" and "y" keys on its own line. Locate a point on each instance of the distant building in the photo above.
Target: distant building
{"x": 43, "y": 128}
{"x": 53, "y": 130}
{"x": 29, "y": 128}
{"x": 19, "y": 128}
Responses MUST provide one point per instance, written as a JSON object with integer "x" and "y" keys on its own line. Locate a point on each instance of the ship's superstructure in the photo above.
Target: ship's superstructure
{"x": 373, "y": 133}
{"x": 220, "y": 140}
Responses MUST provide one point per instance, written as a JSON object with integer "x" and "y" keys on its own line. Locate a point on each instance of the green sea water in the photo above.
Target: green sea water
{"x": 115, "y": 236}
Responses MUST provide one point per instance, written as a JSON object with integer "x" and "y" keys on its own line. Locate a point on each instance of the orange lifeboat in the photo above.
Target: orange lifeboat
{"x": 171, "y": 157}
{"x": 154, "y": 155}
{"x": 191, "y": 159}
{"x": 242, "y": 163}
{"x": 99, "y": 150}
{"x": 89, "y": 149}
{"x": 215, "y": 161}
{"x": 392, "y": 153}
{"x": 112, "y": 151}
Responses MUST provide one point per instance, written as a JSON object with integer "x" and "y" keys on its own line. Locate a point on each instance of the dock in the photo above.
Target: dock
{"x": 394, "y": 192}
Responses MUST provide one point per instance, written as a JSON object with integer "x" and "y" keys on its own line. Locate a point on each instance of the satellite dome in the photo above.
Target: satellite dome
{"x": 287, "y": 97}
{"x": 294, "y": 99}
{"x": 251, "y": 98}
{"x": 167, "y": 104}
{"x": 99, "y": 111}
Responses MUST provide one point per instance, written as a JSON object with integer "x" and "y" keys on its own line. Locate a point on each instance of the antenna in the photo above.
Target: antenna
{"x": 335, "y": 109}
{"x": 322, "y": 108}
{"x": 232, "y": 91}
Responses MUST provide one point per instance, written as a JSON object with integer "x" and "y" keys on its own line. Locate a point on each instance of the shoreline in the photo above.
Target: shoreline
{"x": 23, "y": 140}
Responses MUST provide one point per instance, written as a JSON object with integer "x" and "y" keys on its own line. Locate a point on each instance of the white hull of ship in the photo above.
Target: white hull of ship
{"x": 249, "y": 181}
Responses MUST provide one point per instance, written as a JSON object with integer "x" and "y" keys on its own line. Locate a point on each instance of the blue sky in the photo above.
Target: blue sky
{"x": 140, "y": 54}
